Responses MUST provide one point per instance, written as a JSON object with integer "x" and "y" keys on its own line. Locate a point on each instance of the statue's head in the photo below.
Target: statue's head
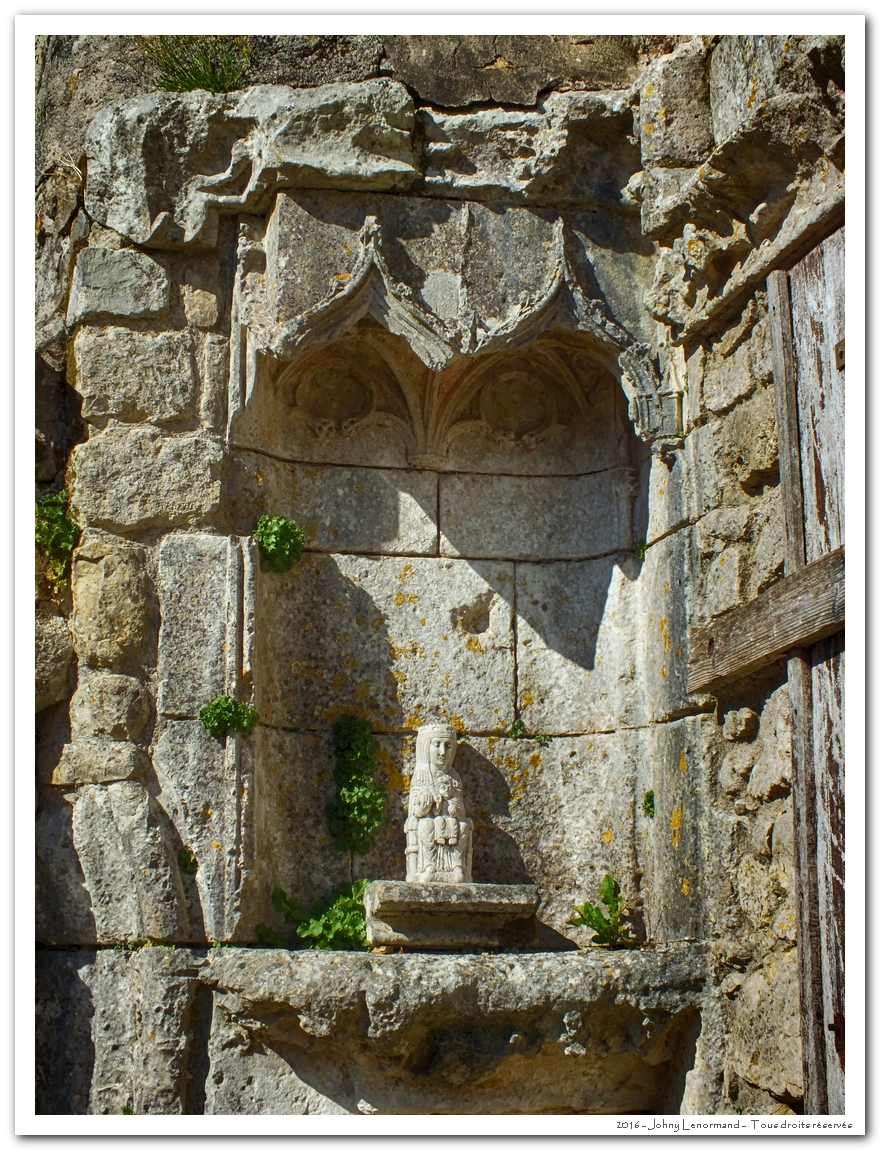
{"x": 435, "y": 747}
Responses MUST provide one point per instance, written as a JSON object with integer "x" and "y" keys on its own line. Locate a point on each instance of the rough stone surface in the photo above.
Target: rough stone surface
{"x": 339, "y": 509}
{"x": 116, "y": 706}
{"x": 509, "y": 1034}
{"x": 450, "y": 916}
{"x": 555, "y": 519}
{"x": 99, "y": 761}
{"x": 112, "y": 601}
{"x": 337, "y": 135}
{"x": 393, "y": 640}
{"x": 128, "y": 479}
{"x": 132, "y": 376}
{"x": 765, "y": 1037}
{"x": 676, "y": 127}
{"x": 54, "y": 656}
{"x": 121, "y": 283}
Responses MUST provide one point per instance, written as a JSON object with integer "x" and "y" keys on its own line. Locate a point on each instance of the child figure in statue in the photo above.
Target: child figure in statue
{"x": 438, "y": 830}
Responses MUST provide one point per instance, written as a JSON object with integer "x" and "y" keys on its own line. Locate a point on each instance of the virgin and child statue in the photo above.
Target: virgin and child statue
{"x": 438, "y": 830}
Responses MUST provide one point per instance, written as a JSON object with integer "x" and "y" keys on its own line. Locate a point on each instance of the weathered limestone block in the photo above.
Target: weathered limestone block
{"x": 576, "y": 645}
{"x": 205, "y": 790}
{"x": 771, "y": 774}
{"x": 511, "y": 1034}
{"x": 116, "y": 283}
{"x": 116, "y": 706}
{"x": 118, "y": 846}
{"x": 99, "y": 761}
{"x": 53, "y": 659}
{"x": 111, "y": 601}
{"x": 134, "y": 376}
{"x": 200, "y": 578}
{"x": 136, "y": 478}
{"x": 201, "y": 306}
{"x": 389, "y": 639}
{"x": 339, "y": 509}
{"x": 675, "y": 121}
{"x": 721, "y": 539}
{"x": 62, "y": 903}
{"x": 222, "y": 153}
{"x": 575, "y": 147}
{"x": 59, "y": 228}
{"x": 562, "y": 518}
{"x": 457, "y": 70}
{"x": 765, "y": 1043}
{"x": 371, "y": 1034}
{"x": 662, "y": 654}
{"x": 450, "y": 915}
{"x": 751, "y": 447}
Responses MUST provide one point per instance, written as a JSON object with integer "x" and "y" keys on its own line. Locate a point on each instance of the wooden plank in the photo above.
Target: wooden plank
{"x": 807, "y": 904}
{"x": 799, "y": 610}
{"x": 786, "y": 402}
{"x": 827, "y": 688}
{"x": 816, "y": 287}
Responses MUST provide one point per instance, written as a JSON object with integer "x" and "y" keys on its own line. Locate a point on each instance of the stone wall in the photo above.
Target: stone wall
{"x": 509, "y": 368}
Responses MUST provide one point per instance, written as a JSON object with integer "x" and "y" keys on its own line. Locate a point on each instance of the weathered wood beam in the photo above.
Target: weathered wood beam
{"x": 796, "y": 612}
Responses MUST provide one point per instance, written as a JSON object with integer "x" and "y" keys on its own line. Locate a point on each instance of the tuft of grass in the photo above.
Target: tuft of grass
{"x": 648, "y": 804}
{"x": 640, "y": 547}
{"x": 281, "y": 543}
{"x": 192, "y": 63}
{"x": 56, "y": 534}
{"x": 223, "y": 714}
{"x": 358, "y": 811}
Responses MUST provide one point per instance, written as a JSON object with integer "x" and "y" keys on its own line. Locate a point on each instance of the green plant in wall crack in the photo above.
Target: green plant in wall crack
{"x": 223, "y": 714}
{"x": 518, "y": 729}
{"x": 56, "y": 534}
{"x": 281, "y": 543}
{"x": 186, "y": 857}
{"x": 640, "y": 547}
{"x": 189, "y": 63}
{"x": 648, "y": 804}
{"x": 358, "y": 811}
{"x": 335, "y": 923}
{"x": 611, "y": 931}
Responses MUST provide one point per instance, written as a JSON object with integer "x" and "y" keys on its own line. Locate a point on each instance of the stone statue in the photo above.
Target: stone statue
{"x": 438, "y": 830}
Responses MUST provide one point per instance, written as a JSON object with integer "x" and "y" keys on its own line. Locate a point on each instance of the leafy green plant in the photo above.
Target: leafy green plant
{"x": 648, "y": 804}
{"x": 223, "y": 714}
{"x": 335, "y": 923}
{"x": 186, "y": 857}
{"x": 610, "y": 930}
{"x": 281, "y": 543}
{"x": 518, "y": 729}
{"x": 56, "y": 533}
{"x": 460, "y": 735}
{"x": 127, "y": 1110}
{"x": 542, "y": 739}
{"x": 640, "y": 547}
{"x": 188, "y": 63}
{"x": 358, "y": 811}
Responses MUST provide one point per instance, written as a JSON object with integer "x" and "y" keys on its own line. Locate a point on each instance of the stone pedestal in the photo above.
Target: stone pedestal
{"x": 445, "y": 916}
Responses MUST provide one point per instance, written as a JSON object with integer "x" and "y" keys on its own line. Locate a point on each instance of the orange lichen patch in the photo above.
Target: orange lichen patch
{"x": 456, "y": 723}
{"x": 662, "y": 627}
{"x": 405, "y": 597}
{"x": 360, "y": 620}
{"x": 216, "y": 845}
{"x": 206, "y": 812}
{"x": 472, "y": 643}
{"x": 676, "y": 824}
{"x": 390, "y": 712}
{"x": 534, "y": 760}
{"x": 413, "y": 721}
{"x": 302, "y": 671}
{"x": 527, "y": 699}
{"x": 404, "y": 652}
{"x": 339, "y": 681}
{"x": 406, "y": 574}
{"x": 341, "y": 637}
{"x": 343, "y": 276}
{"x": 362, "y": 689}
{"x": 608, "y": 835}
{"x": 310, "y": 527}
{"x": 259, "y": 477}
{"x": 399, "y": 676}
{"x": 422, "y": 623}
{"x": 683, "y": 763}
{"x": 348, "y": 662}
{"x": 663, "y": 673}
{"x": 686, "y": 886}
{"x": 331, "y": 714}
{"x": 648, "y": 129}
{"x": 377, "y": 622}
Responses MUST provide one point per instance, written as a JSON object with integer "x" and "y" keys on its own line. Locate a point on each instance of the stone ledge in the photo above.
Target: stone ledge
{"x": 450, "y": 915}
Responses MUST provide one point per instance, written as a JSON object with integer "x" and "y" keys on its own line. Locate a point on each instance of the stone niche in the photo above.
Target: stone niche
{"x": 470, "y": 538}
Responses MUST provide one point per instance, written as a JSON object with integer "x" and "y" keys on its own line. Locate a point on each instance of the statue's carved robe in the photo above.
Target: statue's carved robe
{"x": 438, "y": 829}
